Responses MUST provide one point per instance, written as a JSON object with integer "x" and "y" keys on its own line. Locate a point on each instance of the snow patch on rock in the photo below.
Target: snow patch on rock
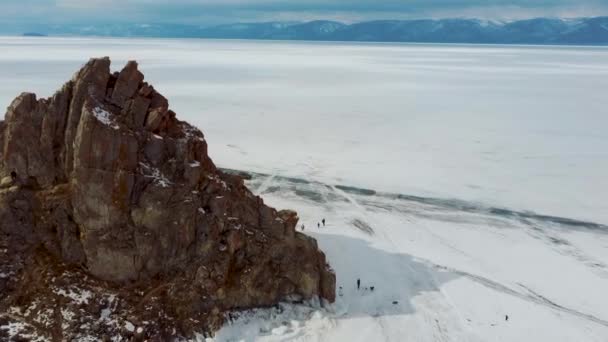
{"x": 129, "y": 326}
{"x": 103, "y": 116}
{"x": 155, "y": 173}
{"x": 79, "y": 296}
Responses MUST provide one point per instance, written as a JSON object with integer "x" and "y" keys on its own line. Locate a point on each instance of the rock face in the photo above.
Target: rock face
{"x": 102, "y": 178}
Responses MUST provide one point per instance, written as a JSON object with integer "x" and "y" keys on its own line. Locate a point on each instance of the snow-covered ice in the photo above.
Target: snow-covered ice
{"x": 441, "y": 271}
{"x": 512, "y": 126}
{"x": 464, "y": 183}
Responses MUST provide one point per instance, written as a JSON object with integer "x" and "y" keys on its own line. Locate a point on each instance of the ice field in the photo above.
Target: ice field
{"x": 464, "y": 183}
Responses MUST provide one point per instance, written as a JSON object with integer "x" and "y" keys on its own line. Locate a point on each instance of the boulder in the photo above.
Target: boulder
{"x": 102, "y": 179}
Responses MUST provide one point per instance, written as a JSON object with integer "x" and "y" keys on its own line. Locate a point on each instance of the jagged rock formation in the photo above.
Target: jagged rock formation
{"x": 101, "y": 179}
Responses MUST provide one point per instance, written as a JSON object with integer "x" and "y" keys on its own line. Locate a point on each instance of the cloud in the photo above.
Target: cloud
{"x": 88, "y": 4}
{"x": 217, "y": 11}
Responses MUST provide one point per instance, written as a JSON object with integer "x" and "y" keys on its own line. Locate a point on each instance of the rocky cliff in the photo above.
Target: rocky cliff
{"x": 112, "y": 211}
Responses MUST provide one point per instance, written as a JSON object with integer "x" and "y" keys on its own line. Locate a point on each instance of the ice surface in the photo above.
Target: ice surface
{"x": 439, "y": 273}
{"x": 517, "y": 127}
{"x": 445, "y": 154}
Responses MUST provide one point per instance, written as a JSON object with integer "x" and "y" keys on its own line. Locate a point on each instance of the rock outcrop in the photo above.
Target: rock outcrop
{"x": 103, "y": 180}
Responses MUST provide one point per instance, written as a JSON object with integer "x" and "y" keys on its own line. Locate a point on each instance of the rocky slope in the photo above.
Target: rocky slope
{"x": 115, "y": 223}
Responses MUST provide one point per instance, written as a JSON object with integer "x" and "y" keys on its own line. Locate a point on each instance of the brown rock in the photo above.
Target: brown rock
{"x": 127, "y": 84}
{"x": 155, "y": 119}
{"x": 102, "y": 176}
{"x": 135, "y": 111}
{"x": 89, "y": 83}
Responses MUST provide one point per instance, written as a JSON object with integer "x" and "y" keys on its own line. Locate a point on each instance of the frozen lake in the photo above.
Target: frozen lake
{"x": 522, "y": 128}
{"x": 447, "y": 137}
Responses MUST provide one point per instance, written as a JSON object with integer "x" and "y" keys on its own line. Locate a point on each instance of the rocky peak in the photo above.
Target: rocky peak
{"x": 104, "y": 179}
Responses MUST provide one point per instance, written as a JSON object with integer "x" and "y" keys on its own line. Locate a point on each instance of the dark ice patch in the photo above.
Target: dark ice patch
{"x": 363, "y": 226}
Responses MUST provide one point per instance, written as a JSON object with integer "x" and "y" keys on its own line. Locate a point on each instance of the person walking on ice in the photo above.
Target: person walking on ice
{"x": 318, "y": 225}
{"x": 323, "y": 220}
{"x": 358, "y": 283}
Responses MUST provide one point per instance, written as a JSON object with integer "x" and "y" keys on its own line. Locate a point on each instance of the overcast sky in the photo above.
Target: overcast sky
{"x": 223, "y": 11}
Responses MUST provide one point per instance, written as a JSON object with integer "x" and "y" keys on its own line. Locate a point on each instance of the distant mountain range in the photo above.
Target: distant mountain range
{"x": 584, "y": 31}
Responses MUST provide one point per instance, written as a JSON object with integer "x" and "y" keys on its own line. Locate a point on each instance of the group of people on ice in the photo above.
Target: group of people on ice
{"x": 318, "y": 225}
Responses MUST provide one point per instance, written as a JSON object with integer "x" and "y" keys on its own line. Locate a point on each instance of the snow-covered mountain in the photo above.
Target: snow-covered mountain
{"x": 592, "y": 31}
